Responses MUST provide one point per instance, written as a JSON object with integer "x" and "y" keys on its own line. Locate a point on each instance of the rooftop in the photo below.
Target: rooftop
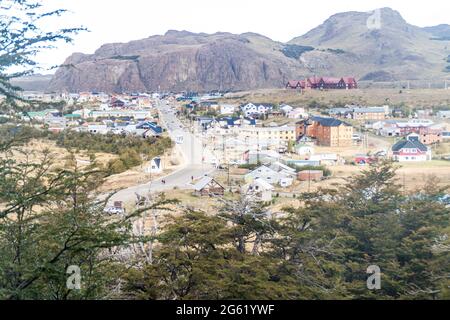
{"x": 329, "y": 122}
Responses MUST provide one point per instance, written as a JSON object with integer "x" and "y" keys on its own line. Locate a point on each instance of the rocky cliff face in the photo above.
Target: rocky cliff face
{"x": 180, "y": 60}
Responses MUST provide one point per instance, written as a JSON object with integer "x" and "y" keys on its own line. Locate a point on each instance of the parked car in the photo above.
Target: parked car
{"x": 117, "y": 208}
{"x": 114, "y": 211}
{"x": 364, "y": 159}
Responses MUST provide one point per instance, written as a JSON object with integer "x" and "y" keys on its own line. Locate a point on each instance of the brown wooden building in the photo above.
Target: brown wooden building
{"x": 207, "y": 186}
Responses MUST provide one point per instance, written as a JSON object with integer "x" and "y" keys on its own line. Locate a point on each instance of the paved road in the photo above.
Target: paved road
{"x": 198, "y": 160}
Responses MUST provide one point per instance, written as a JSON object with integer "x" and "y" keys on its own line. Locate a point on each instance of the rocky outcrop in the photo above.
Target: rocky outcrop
{"x": 177, "y": 61}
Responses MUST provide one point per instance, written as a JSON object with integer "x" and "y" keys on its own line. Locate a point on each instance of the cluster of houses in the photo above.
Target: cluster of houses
{"x": 130, "y": 99}
{"x": 428, "y": 132}
{"x": 196, "y": 97}
{"x": 236, "y": 139}
{"x": 323, "y": 83}
{"x": 249, "y": 110}
{"x": 134, "y": 115}
{"x": 260, "y": 183}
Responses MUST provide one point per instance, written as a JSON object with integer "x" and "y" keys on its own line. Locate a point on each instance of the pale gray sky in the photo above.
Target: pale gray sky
{"x": 281, "y": 20}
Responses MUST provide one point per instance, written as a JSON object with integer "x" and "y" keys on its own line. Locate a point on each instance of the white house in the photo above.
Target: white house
{"x": 416, "y": 123}
{"x": 155, "y": 167}
{"x": 298, "y": 113}
{"x": 286, "y": 109}
{"x": 272, "y": 175}
{"x": 227, "y": 109}
{"x": 261, "y": 109}
{"x": 259, "y": 189}
{"x": 325, "y": 158}
{"x": 98, "y": 128}
{"x": 235, "y": 150}
{"x": 303, "y": 150}
{"x": 410, "y": 149}
{"x": 286, "y": 182}
{"x": 118, "y": 113}
{"x": 282, "y": 168}
{"x": 265, "y": 173}
{"x": 264, "y": 156}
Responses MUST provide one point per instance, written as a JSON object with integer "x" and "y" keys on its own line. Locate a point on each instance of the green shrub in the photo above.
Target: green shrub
{"x": 295, "y": 51}
{"x": 250, "y": 166}
{"x": 116, "y": 166}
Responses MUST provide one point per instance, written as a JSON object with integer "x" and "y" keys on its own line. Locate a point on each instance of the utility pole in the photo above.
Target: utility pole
{"x": 223, "y": 150}
{"x": 257, "y": 147}
{"x": 229, "y": 181}
{"x": 309, "y": 181}
{"x": 404, "y": 183}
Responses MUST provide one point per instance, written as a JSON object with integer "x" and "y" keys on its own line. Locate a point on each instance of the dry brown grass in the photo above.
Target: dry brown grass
{"x": 36, "y": 148}
{"x": 413, "y": 97}
{"x": 172, "y": 161}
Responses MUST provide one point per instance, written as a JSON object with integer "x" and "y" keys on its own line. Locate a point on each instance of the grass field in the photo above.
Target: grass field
{"x": 36, "y": 148}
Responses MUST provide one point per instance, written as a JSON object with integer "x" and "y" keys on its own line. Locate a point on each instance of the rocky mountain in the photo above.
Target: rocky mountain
{"x": 384, "y": 49}
{"x": 35, "y": 82}
{"x": 439, "y": 32}
{"x": 179, "y": 60}
{"x": 345, "y": 44}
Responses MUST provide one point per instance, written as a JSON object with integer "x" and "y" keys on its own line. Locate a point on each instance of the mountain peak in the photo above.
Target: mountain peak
{"x": 180, "y": 33}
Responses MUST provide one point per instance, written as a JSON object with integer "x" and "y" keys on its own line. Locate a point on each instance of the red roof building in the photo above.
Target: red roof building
{"x": 323, "y": 83}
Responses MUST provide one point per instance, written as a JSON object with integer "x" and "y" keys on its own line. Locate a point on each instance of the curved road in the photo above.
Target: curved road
{"x": 198, "y": 160}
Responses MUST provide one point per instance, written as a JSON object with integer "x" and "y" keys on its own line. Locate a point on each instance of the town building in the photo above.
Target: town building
{"x": 323, "y": 83}
{"x": 121, "y": 113}
{"x": 259, "y": 190}
{"x": 326, "y": 131}
{"x": 298, "y": 113}
{"x": 326, "y": 158}
{"x": 235, "y": 151}
{"x": 155, "y": 167}
{"x": 270, "y": 176}
{"x": 370, "y": 113}
{"x": 286, "y": 109}
{"x": 263, "y": 156}
{"x": 256, "y": 110}
{"x": 310, "y": 175}
{"x": 304, "y": 150}
{"x": 446, "y": 136}
{"x": 268, "y": 136}
{"x": 40, "y": 115}
{"x": 410, "y": 149}
{"x": 208, "y": 186}
{"x": 227, "y": 109}
{"x": 360, "y": 113}
{"x": 443, "y": 114}
{"x": 430, "y": 135}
